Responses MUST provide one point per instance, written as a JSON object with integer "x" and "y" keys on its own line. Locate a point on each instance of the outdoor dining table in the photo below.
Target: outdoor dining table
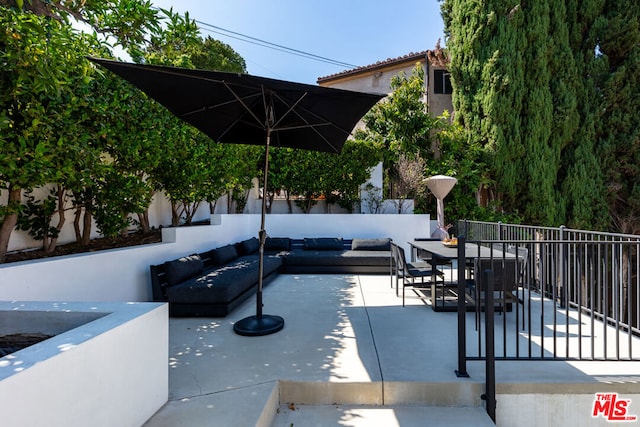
{"x": 446, "y": 254}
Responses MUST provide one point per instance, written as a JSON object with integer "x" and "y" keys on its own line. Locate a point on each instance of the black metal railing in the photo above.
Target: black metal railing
{"x": 573, "y": 295}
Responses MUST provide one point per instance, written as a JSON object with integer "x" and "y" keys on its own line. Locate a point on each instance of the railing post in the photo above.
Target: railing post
{"x": 462, "y": 310}
{"x": 564, "y": 292}
{"x": 490, "y": 363}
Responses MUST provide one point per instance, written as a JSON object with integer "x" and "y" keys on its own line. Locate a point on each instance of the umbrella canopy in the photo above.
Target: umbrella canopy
{"x": 240, "y": 108}
{"x": 440, "y": 186}
{"x": 245, "y": 109}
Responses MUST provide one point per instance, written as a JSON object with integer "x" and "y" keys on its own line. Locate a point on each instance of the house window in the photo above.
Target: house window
{"x": 442, "y": 82}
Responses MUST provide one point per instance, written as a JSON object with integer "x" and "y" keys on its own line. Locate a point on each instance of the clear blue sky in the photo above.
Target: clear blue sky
{"x": 358, "y": 32}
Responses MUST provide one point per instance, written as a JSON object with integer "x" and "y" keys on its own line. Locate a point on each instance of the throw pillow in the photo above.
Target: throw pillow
{"x": 323, "y": 244}
{"x": 181, "y": 269}
{"x": 250, "y": 246}
{"x": 223, "y": 255}
{"x": 371, "y": 244}
{"x": 276, "y": 244}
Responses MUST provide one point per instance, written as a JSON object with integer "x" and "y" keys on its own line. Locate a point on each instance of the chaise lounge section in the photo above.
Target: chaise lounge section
{"x": 212, "y": 283}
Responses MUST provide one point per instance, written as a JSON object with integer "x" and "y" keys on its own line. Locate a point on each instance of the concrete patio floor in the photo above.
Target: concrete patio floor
{"x": 351, "y": 355}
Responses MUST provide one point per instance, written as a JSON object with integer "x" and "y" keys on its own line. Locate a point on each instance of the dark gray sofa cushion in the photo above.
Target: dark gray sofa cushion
{"x": 371, "y": 244}
{"x": 181, "y": 269}
{"x": 223, "y": 284}
{"x": 323, "y": 243}
{"x": 223, "y": 255}
{"x": 298, "y": 257}
{"x": 277, "y": 244}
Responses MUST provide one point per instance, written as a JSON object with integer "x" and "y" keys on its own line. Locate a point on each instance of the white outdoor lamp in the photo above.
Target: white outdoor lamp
{"x": 440, "y": 186}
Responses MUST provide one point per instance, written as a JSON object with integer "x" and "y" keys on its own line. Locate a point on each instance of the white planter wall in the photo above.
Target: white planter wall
{"x": 109, "y": 372}
{"x": 123, "y": 274}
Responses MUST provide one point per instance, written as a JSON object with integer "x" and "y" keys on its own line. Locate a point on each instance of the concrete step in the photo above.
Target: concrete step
{"x": 385, "y": 416}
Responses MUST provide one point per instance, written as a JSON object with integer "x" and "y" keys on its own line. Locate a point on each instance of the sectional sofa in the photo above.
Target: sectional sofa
{"x": 215, "y": 282}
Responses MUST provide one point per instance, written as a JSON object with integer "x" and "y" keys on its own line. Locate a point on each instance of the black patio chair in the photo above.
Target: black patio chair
{"x": 407, "y": 274}
{"x": 505, "y": 282}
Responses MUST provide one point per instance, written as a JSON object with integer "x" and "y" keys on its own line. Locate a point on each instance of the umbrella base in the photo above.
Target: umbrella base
{"x": 253, "y": 326}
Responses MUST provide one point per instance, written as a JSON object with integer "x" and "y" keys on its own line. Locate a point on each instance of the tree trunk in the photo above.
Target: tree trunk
{"x": 50, "y": 244}
{"x": 86, "y": 227}
{"x": 76, "y": 223}
{"x": 10, "y": 220}
{"x": 229, "y": 202}
{"x": 143, "y": 218}
{"x": 289, "y": 205}
{"x": 175, "y": 215}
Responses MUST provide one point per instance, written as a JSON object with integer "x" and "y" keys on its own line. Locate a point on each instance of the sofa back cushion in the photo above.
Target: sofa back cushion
{"x": 276, "y": 244}
{"x": 181, "y": 269}
{"x": 250, "y": 246}
{"x": 223, "y": 255}
{"x": 323, "y": 244}
{"x": 371, "y": 244}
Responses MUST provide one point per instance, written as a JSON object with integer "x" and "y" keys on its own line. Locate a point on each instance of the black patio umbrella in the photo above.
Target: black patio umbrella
{"x": 246, "y": 109}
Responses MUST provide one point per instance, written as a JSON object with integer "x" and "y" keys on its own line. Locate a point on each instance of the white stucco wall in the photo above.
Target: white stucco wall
{"x": 160, "y": 215}
{"x": 123, "y": 274}
{"x": 109, "y": 372}
{"x": 374, "y": 81}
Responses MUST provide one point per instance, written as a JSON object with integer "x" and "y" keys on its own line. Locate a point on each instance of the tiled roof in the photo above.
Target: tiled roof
{"x": 436, "y": 57}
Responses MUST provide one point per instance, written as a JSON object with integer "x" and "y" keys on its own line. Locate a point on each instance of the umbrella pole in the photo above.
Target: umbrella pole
{"x": 261, "y": 324}
{"x": 263, "y": 233}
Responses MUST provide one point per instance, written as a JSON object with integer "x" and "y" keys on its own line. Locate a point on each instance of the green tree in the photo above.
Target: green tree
{"x": 402, "y": 123}
{"x": 242, "y": 167}
{"x": 193, "y": 169}
{"x": 128, "y": 21}
{"x": 346, "y": 172}
{"x": 404, "y": 128}
{"x": 526, "y": 88}
{"x": 41, "y": 66}
{"x": 619, "y": 47}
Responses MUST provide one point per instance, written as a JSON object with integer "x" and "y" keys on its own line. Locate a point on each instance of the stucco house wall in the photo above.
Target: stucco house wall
{"x": 377, "y": 77}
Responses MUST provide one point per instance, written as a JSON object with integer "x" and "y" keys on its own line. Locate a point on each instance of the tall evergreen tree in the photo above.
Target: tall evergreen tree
{"x": 619, "y": 36}
{"x": 549, "y": 89}
{"x": 487, "y": 43}
{"x": 582, "y": 181}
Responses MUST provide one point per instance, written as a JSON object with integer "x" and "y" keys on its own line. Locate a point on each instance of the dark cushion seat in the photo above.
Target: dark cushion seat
{"x": 338, "y": 258}
{"x": 223, "y": 283}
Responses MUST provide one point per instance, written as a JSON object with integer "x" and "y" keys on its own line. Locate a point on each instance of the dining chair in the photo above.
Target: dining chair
{"x": 393, "y": 264}
{"x": 523, "y": 281}
{"x": 407, "y": 274}
{"x": 505, "y": 282}
{"x": 421, "y": 254}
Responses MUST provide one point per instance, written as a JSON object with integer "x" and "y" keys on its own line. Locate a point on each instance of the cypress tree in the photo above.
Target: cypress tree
{"x": 618, "y": 31}
{"x": 542, "y": 158}
{"x": 582, "y": 178}
{"x": 550, "y": 89}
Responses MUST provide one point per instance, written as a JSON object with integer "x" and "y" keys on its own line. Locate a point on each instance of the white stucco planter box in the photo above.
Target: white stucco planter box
{"x": 109, "y": 369}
